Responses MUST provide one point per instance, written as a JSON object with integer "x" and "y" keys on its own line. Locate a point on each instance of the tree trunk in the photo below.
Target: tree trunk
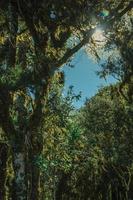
{"x": 35, "y": 181}
{"x": 19, "y": 184}
{"x": 62, "y": 187}
{"x": 3, "y": 165}
{"x": 35, "y": 172}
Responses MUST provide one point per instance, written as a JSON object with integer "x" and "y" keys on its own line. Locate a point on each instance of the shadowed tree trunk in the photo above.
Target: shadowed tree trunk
{"x": 3, "y": 166}
{"x": 62, "y": 186}
{"x": 34, "y": 153}
{"x": 35, "y": 181}
{"x": 34, "y": 175}
{"x": 19, "y": 182}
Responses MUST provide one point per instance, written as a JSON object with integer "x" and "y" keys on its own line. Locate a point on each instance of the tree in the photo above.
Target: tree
{"x": 107, "y": 125}
{"x": 114, "y": 52}
{"x": 34, "y": 44}
{"x": 61, "y": 139}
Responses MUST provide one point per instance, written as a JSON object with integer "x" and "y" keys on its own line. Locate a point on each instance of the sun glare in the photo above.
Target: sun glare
{"x": 98, "y": 36}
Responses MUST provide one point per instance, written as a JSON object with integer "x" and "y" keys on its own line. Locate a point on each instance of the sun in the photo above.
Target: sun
{"x": 98, "y": 36}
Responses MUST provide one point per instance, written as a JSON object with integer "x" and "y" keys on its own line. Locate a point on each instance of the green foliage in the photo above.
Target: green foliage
{"x": 45, "y": 134}
{"x": 107, "y": 125}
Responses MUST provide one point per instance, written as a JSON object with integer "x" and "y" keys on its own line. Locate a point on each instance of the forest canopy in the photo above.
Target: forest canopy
{"x": 48, "y": 149}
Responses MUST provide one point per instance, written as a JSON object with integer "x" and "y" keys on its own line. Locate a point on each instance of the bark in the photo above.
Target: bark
{"x": 35, "y": 171}
{"x": 35, "y": 182}
{"x": 13, "y": 28}
{"x": 36, "y": 142}
{"x": 19, "y": 183}
{"x": 3, "y": 167}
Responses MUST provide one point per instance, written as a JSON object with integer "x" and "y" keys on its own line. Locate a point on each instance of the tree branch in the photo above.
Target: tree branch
{"x": 5, "y": 120}
{"x": 71, "y": 52}
{"x": 116, "y": 10}
{"x": 13, "y": 28}
{"x": 89, "y": 34}
{"x": 123, "y": 12}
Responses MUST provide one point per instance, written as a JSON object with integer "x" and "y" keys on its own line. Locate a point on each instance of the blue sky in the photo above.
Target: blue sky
{"x": 83, "y": 77}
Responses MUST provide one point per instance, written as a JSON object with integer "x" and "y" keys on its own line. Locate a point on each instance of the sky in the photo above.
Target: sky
{"x": 83, "y": 77}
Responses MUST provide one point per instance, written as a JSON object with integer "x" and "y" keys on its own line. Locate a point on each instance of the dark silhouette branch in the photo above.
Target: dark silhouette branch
{"x": 123, "y": 12}
{"x": 88, "y": 35}
{"x": 71, "y": 52}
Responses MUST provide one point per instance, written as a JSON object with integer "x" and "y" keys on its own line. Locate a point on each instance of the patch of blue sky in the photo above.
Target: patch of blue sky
{"x": 84, "y": 78}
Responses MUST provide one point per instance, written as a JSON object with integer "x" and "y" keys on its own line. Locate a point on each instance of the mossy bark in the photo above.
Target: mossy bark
{"x": 3, "y": 169}
{"x": 19, "y": 183}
